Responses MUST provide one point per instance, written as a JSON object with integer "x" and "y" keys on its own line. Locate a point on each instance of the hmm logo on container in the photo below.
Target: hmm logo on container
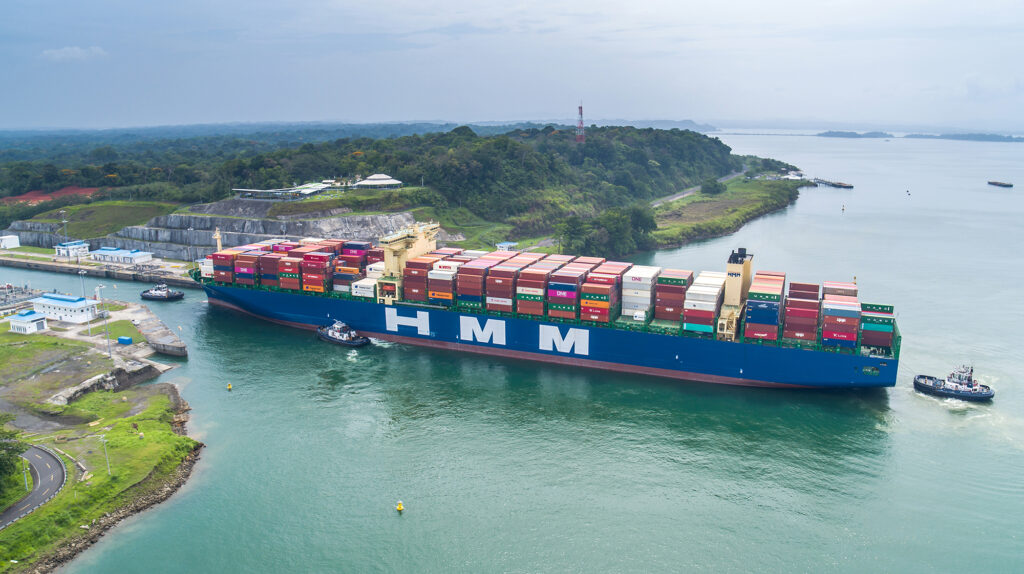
{"x": 576, "y": 341}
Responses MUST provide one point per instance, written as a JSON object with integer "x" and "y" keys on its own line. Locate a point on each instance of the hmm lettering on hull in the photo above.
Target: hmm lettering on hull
{"x": 393, "y": 321}
{"x": 493, "y": 330}
{"x": 576, "y": 341}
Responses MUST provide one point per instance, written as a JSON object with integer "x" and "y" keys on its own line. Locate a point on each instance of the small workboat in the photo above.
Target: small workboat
{"x": 341, "y": 334}
{"x": 1000, "y": 184}
{"x": 960, "y": 384}
{"x": 162, "y": 292}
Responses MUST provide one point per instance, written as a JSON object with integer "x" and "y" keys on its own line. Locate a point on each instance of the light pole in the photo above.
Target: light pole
{"x": 81, "y": 275}
{"x": 110, "y": 353}
{"x": 104, "y": 441}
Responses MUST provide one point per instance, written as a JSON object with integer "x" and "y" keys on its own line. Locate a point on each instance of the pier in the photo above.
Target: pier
{"x": 125, "y": 273}
{"x": 830, "y": 183}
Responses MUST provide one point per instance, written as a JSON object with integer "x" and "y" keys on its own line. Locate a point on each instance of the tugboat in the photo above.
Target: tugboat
{"x": 162, "y": 292}
{"x": 341, "y": 334}
{"x": 960, "y": 384}
{"x": 1000, "y": 184}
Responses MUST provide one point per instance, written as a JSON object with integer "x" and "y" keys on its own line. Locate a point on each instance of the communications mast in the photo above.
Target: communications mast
{"x": 581, "y": 134}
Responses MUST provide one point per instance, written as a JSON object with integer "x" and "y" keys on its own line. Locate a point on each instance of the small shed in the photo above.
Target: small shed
{"x": 28, "y": 322}
{"x": 9, "y": 241}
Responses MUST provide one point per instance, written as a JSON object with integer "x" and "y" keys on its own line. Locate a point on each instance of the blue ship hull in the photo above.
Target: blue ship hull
{"x": 679, "y": 357}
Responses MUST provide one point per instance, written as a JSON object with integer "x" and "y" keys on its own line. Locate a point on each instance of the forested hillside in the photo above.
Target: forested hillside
{"x": 531, "y": 178}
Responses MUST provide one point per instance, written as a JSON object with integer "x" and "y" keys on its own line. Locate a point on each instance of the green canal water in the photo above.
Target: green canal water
{"x": 507, "y": 466}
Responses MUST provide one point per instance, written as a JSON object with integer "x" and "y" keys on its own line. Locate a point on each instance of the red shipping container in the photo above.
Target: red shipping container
{"x": 603, "y": 278}
{"x": 803, "y": 334}
{"x": 842, "y": 336}
{"x": 595, "y": 318}
{"x": 698, "y": 320}
{"x": 676, "y": 299}
{"x": 798, "y": 312}
{"x": 837, "y": 322}
{"x": 876, "y": 338}
{"x": 561, "y": 314}
{"x": 666, "y": 288}
{"x": 698, "y": 314}
{"x": 766, "y": 332}
{"x": 803, "y": 303}
{"x": 224, "y": 276}
{"x": 594, "y": 310}
{"x": 801, "y": 322}
{"x": 531, "y": 284}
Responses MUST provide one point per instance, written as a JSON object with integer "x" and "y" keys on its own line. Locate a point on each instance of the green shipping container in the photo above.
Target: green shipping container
{"x": 290, "y": 275}
{"x": 593, "y": 296}
{"x": 471, "y": 304}
{"x": 525, "y": 297}
{"x": 876, "y": 308}
{"x": 875, "y": 320}
{"x": 698, "y": 328}
{"x": 557, "y": 307}
{"x": 671, "y": 280}
{"x": 876, "y": 327}
{"x": 764, "y": 297}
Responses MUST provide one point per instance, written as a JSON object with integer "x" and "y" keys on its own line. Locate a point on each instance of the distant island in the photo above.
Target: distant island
{"x": 838, "y": 134}
{"x": 968, "y": 137}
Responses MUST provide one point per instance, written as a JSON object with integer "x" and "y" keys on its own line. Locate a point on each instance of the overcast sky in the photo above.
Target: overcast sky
{"x": 113, "y": 63}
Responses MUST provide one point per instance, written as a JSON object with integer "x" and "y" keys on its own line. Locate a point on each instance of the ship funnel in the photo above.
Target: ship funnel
{"x": 738, "y": 276}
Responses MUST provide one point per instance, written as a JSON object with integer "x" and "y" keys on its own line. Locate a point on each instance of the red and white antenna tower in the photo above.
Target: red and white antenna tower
{"x": 581, "y": 134}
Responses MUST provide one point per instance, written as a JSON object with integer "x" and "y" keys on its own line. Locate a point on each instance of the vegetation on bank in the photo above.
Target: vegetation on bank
{"x": 32, "y": 369}
{"x": 100, "y": 218}
{"x": 10, "y": 461}
{"x": 702, "y": 216}
{"x": 16, "y": 485}
{"x": 136, "y": 465}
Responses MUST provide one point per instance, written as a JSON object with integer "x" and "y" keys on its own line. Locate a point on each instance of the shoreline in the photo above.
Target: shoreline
{"x": 101, "y": 272}
{"x": 145, "y": 494}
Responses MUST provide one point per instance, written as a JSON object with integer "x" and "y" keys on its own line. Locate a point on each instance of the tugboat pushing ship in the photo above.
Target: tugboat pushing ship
{"x": 960, "y": 384}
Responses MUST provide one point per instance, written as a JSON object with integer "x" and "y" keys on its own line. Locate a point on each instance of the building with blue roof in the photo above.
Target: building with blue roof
{"x": 28, "y": 322}
{"x": 115, "y": 255}
{"x": 72, "y": 249}
{"x": 66, "y": 308}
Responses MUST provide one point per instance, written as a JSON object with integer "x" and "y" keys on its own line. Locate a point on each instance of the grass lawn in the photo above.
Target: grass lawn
{"x": 34, "y": 367}
{"x": 113, "y": 306}
{"x": 701, "y": 216}
{"x": 14, "y": 485}
{"x": 479, "y": 233}
{"x": 31, "y": 249}
{"x": 132, "y": 459}
{"x": 103, "y": 217}
{"x": 122, "y": 328}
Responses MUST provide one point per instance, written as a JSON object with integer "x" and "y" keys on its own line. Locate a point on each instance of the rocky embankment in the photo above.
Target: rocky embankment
{"x": 190, "y": 235}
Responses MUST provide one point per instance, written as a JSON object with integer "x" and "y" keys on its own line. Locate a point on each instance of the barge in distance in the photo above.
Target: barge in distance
{"x": 729, "y": 327}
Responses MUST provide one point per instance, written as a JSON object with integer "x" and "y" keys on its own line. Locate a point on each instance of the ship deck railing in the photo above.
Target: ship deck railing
{"x": 628, "y": 324}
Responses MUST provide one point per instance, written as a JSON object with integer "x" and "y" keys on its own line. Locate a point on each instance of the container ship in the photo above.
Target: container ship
{"x": 730, "y": 326}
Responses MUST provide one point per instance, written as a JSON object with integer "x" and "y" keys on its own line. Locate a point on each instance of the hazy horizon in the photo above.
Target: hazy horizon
{"x": 865, "y": 65}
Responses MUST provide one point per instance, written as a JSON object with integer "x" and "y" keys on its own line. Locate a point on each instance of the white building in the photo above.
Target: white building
{"x": 379, "y": 181}
{"x": 9, "y": 241}
{"x": 28, "y": 322}
{"x": 115, "y": 255}
{"x": 72, "y": 249}
{"x": 66, "y": 308}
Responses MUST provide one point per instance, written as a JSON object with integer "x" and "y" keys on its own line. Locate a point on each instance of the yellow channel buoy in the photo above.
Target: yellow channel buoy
{"x": 229, "y": 386}
{"x": 400, "y": 506}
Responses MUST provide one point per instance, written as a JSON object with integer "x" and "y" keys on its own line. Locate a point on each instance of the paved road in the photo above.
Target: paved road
{"x": 692, "y": 190}
{"x": 48, "y": 477}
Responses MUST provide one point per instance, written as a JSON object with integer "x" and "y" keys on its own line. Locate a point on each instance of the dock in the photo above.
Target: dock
{"x": 830, "y": 183}
{"x": 104, "y": 271}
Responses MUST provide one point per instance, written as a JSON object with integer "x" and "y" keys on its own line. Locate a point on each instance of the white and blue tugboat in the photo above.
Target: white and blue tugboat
{"x": 162, "y": 292}
{"x": 341, "y": 334}
{"x": 960, "y": 384}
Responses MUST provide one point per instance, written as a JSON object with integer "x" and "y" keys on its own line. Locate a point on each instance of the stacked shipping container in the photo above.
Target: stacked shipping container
{"x": 703, "y": 302}
{"x": 840, "y": 312}
{"x": 670, "y": 294}
{"x": 764, "y": 306}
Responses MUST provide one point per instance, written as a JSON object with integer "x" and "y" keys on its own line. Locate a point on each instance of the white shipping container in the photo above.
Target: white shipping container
{"x": 448, "y": 265}
{"x": 637, "y": 293}
{"x": 377, "y": 267}
{"x": 499, "y": 301}
{"x": 630, "y": 308}
{"x": 442, "y": 275}
{"x": 636, "y": 300}
{"x": 374, "y": 274}
{"x": 529, "y": 290}
{"x": 473, "y": 253}
{"x": 698, "y": 296}
{"x": 641, "y": 274}
{"x": 362, "y": 293}
{"x": 310, "y": 240}
{"x": 342, "y": 288}
{"x": 701, "y": 305}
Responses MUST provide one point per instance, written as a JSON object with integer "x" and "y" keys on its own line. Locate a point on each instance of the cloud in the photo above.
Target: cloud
{"x": 73, "y": 54}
